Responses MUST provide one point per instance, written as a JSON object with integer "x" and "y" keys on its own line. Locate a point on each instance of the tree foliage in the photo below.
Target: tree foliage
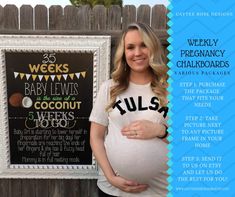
{"x": 92, "y": 3}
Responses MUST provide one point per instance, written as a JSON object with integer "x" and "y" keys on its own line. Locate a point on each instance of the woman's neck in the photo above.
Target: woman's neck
{"x": 140, "y": 78}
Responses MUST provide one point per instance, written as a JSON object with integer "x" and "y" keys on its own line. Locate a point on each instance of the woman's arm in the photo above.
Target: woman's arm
{"x": 144, "y": 129}
{"x": 97, "y": 135}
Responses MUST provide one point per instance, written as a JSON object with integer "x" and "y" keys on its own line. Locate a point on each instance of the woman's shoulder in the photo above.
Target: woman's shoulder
{"x": 107, "y": 83}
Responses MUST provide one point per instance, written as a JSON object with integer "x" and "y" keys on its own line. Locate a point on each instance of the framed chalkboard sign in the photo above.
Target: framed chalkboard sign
{"x": 47, "y": 88}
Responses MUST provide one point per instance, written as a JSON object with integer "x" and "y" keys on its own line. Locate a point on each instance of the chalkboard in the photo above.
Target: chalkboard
{"x": 48, "y": 93}
{"x": 49, "y": 102}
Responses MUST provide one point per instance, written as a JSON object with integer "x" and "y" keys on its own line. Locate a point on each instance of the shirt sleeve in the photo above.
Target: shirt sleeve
{"x": 163, "y": 116}
{"x": 98, "y": 113}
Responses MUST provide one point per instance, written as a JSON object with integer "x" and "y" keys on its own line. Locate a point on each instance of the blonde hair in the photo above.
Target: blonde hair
{"x": 121, "y": 72}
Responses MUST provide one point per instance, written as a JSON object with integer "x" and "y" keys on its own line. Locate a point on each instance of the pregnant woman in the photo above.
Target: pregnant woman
{"x": 128, "y": 120}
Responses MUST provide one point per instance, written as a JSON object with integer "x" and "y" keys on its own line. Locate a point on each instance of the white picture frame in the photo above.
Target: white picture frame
{"x": 99, "y": 46}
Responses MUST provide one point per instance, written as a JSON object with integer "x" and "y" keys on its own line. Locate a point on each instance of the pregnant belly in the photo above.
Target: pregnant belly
{"x": 139, "y": 160}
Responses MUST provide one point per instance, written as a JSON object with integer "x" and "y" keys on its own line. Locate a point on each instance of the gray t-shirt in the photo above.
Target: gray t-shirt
{"x": 142, "y": 160}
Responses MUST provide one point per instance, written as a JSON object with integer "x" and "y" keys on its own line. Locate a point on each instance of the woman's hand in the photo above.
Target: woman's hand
{"x": 127, "y": 185}
{"x": 143, "y": 129}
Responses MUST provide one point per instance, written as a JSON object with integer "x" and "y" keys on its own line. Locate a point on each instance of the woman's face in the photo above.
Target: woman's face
{"x": 136, "y": 52}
